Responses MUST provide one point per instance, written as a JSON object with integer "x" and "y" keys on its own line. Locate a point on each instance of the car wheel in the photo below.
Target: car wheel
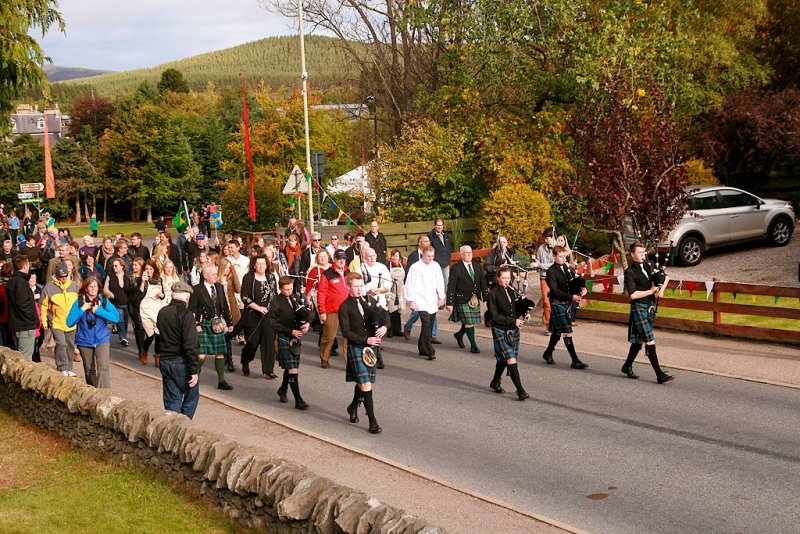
{"x": 779, "y": 232}
{"x": 690, "y": 251}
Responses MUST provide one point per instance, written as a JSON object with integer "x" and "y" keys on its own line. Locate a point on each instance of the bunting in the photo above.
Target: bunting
{"x": 776, "y": 298}
{"x": 606, "y": 282}
{"x": 690, "y": 287}
{"x": 621, "y": 282}
{"x": 609, "y": 265}
{"x": 709, "y": 287}
{"x": 589, "y": 286}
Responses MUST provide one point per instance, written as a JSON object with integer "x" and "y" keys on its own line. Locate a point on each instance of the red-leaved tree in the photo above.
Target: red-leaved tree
{"x": 629, "y": 161}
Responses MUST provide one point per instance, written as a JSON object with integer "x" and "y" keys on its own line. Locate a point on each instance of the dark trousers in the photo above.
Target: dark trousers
{"x": 424, "y": 344}
{"x": 138, "y": 329}
{"x": 259, "y": 334}
{"x": 178, "y": 396}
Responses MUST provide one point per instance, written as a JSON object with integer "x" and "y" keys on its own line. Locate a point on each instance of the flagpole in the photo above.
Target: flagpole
{"x": 188, "y": 219}
{"x": 305, "y": 117}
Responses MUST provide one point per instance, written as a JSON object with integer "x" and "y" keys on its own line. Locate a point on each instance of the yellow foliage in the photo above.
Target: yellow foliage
{"x": 699, "y": 174}
{"x": 519, "y": 212}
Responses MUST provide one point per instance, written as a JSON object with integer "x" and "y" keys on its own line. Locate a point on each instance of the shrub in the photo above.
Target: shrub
{"x": 699, "y": 174}
{"x": 519, "y": 212}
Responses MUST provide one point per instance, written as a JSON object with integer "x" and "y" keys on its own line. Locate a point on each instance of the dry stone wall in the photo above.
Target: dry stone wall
{"x": 257, "y": 490}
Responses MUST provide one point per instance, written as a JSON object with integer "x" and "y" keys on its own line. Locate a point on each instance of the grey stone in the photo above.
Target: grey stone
{"x": 73, "y": 401}
{"x": 348, "y": 509}
{"x": 216, "y": 453}
{"x": 299, "y": 505}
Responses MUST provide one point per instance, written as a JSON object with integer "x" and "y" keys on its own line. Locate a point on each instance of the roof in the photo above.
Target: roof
{"x": 352, "y": 181}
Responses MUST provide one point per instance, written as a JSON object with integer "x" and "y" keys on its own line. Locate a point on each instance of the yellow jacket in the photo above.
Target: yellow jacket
{"x": 57, "y": 300}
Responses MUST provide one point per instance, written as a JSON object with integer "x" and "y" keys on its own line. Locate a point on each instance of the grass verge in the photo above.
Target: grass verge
{"x": 47, "y": 487}
{"x": 80, "y": 230}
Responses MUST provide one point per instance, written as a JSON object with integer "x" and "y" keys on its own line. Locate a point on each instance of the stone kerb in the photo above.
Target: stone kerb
{"x": 257, "y": 490}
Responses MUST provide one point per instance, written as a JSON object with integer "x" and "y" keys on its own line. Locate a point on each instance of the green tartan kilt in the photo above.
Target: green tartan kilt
{"x": 286, "y": 359}
{"x": 211, "y": 344}
{"x": 462, "y": 313}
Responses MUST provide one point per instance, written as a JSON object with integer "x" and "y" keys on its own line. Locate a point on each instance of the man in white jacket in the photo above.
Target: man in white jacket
{"x": 425, "y": 293}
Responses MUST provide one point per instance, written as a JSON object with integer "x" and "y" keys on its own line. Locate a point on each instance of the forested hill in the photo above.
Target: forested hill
{"x": 56, "y": 73}
{"x": 275, "y": 59}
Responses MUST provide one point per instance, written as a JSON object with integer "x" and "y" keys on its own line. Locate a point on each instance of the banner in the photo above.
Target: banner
{"x": 49, "y": 179}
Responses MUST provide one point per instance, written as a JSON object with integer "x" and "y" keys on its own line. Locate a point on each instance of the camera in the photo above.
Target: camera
{"x": 530, "y": 247}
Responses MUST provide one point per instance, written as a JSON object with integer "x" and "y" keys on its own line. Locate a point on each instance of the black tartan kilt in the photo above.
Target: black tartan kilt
{"x": 639, "y": 325}
{"x": 357, "y": 370}
{"x": 211, "y": 344}
{"x": 560, "y": 318}
{"x": 286, "y": 359}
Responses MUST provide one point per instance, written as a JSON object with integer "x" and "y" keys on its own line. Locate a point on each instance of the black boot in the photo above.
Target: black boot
{"x": 548, "y": 353}
{"x": 284, "y": 387}
{"x": 460, "y": 337}
{"x": 661, "y": 376}
{"x": 374, "y": 428}
{"x": 514, "y": 373}
{"x": 627, "y": 369}
{"x": 576, "y": 363}
{"x": 229, "y": 360}
{"x": 352, "y": 408}
{"x": 498, "y": 376}
{"x": 299, "y": 403}
{"x": 396, "y": 328}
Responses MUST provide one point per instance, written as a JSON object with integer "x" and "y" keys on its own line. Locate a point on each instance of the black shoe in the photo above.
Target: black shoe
{"x": 300, "y": 404}
{"x": 380, "y": 365}
{"x": 282, "y": 395}
{"x": 432, "y": 357}
{"x": 353, "y": 412}
{"x": 627, "y": 371}
{"x": 374, "y": 428}
{"x": 334, "y": 353}
{"x": 577, "y": 364}
{"x": 246, "y": 369}
{"x": 664, "y": 377}
{"x": 522, "y": 395}
{"x": 496, "y": 387}
{"x": 475, "y": 350}
{"x": 460, "y": 341}
{"x": 224, "y": 385}
{"x": 548, "y": 358}
{"x": 229, "y": 366}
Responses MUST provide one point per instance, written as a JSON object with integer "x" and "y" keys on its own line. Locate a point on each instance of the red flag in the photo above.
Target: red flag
{"x": 690, "y": 286}
{"x": 49, "y": 179}
{"x": 606, "y": 282}
{"x": 249, "y": 158}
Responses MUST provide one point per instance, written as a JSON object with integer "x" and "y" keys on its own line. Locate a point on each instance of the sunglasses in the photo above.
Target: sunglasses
{"x": 315, "y": 240}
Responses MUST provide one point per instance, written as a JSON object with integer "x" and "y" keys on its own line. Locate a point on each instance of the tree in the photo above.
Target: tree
{"x": 21, "y": 57}
{"x": 632, "y": 162}
{"x": 172, "y": 80}
{"x": 21, "y": 161}
{"x": 93, "y": 112}
{"x": 517, "y": 211}
{"x": 74, "y": 175}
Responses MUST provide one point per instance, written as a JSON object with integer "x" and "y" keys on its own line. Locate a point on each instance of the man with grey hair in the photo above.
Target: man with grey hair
{"x": 377, "y": 283}
{"x": 210, "y": 306}
{"x": 422, "y": 242}
{"x": 308, "y": 257}
{"x": 178, "y": 347}
{"x": 465, "y": 291}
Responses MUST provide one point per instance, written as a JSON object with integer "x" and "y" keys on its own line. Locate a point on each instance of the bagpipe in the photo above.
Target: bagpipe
{"x": 658, "y": 274}
{"x": 304, "y": 313}
{"x": 375, "y": 316}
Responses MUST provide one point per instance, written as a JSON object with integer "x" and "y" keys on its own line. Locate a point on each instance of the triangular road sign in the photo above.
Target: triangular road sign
{"x": 296, "y": 177}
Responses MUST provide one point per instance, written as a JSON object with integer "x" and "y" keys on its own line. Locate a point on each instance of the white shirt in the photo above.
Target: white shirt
{"x": 377, "y": 272}
{"x": 425, "y": 286}
{"x": 241, "y": 265}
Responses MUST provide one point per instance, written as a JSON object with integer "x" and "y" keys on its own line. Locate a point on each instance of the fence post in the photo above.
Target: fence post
{"x": 717, "y": 314}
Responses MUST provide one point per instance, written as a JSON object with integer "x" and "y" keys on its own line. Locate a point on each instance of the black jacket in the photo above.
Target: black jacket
{"x": 204, "y": 308}
{"x": 21, "y": 304}
{"x": 191, "y": 252}
{"x": 139, "y": 252}
{"x": 356, "y": 327}
{"x": 494, "y": 259}
{"x": 558, "y": 282}
{"x": 636, "y": 280}
{"x": 177, "y": 334}
{"x": 378, "y": 243}
{"x": 501, "y": 307}
{"x": 305, "y": 260}
{"x": 460, "y": 286}
{"x": 443, "y": 250}
{"x": 281, "y": 316}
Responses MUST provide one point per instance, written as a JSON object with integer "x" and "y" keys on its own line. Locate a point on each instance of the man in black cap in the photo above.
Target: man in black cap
{"x": 193, "y": 248}
{"x": 178, "y": 346}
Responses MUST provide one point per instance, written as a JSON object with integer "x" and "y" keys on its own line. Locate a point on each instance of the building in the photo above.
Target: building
{"x": 31, "y": 121}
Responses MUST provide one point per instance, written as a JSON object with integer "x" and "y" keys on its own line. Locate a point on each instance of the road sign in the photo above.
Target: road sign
{"x": 295, "y": 177}
{"x": 31, "y": 188}
{"x": 23, "y": 196}
{"x": 32, "y": 201}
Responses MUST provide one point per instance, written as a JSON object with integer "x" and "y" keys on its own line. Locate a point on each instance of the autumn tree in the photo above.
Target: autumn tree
{"x": 74, "y": 175}
{"x": 21, "y": 161}
{"x": 93, "y": 112}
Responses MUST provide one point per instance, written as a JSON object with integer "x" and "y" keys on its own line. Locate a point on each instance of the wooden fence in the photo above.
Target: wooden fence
{"x": 603, "y": 290}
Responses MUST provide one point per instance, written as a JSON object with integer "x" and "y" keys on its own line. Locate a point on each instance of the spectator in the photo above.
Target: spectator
{"x": 13, "y": 226}
{"x": 441, "y": 243}
{"x": 137, "y": 250}
{"x": 88, "y": 248}
{"x": 332, "y": 291}
{"x": 58, "y": 296}
{"x": 93, "y": 226}
{"x": 377, "y": 241}
{"x": 114, "y": 289}
{"x": 90, "y": 269}
{"x": 153, "y": 299}
{"x": 89, "y": 314}
{"x": 397, "y": 294}
{"x": 23, "y": 321}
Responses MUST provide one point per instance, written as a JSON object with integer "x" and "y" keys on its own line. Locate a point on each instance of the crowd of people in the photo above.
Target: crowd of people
{"x": 189, "y": 299}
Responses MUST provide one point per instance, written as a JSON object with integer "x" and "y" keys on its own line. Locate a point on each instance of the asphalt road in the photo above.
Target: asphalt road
{"x": 590, "y": 448}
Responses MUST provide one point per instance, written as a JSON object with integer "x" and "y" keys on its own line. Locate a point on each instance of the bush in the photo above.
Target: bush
{"x": 519, "y": 212}
{"x": 235, "y": 202}
{"x": 699, "y": 174}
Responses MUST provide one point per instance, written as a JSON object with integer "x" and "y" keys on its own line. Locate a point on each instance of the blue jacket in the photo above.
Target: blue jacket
{"x": 92, "y": 336}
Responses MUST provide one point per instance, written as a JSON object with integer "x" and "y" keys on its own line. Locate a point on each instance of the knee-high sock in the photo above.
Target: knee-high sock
{"x": 632, "y": 353}
{"x": 514, "y": 372}
{"x": 650, "y": 350}
{"x": 498, "y": 372}
{"x": 356, "y": 397}
{"x": 200, "y": 362}
{"x": 219, "y": 365}
{"x": 285, "y": 382}
{"x": 461, "y": 330}
{"x": 554, "y": 338}
{"x": 470, "y": 335}
{"x": 295, "y": 387}
{"x": 367, "y": 396}
{"x": 571, "y": 349}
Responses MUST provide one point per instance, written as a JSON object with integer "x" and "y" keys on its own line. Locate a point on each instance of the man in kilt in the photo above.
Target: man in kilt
{"x": 208, "y": 303}
{"x": 282, "y": 316}
{"x": 640, "y": 327}
{"x": 466, "y": 280}
{"x": 505, "y": 332}
{"x": 363, "y": 330}
{"x": 561, "y": 298}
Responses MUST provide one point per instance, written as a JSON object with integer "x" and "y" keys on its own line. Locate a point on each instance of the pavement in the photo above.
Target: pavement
{"x": 457, "y": 508}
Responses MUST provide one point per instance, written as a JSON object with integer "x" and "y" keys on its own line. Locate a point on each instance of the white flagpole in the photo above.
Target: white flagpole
{"x": 305, "y": 119}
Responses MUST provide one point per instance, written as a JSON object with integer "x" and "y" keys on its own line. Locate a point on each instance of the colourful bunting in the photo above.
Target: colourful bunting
{"x": 776, "y": 298}
{"x": 606, "y": 282}
{"x": 690, "y": 286}
{"x": 734, "y": 296}
{"x": 754, "y": 299}
{"x": 609, "y": 265}
{"x": 709, "y": 288}
{"x": 589, "y": 285}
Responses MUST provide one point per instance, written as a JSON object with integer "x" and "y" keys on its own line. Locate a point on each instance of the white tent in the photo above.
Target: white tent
{"x": 355, "y": 180}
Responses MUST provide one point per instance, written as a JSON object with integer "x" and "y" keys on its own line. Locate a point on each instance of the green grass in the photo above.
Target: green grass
{"x": 80, "y": 230}
{"x": 728, "y": 318}
{"x": 47, "y": 487}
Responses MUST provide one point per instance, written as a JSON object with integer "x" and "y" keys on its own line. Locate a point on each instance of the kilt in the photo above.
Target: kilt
{"x": 462, "y": 313}
{"x": 357, "y": 370}
{"x": 503, "y": 350}
{"x": 286, "y": 359}
{"x": 211, "y": 344}
{"x": 639, "y": 325}
{"x": 560, "y": 318}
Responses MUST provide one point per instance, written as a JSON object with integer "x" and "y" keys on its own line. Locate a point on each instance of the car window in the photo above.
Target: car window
{"x": 737, "y": 199}
{"x": 705, "y": 201}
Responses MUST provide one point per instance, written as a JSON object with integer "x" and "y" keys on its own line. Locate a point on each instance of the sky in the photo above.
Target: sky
{"x": 130, "y": 34}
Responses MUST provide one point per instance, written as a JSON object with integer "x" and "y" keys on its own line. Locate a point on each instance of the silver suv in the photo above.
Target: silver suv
{"x": 720, "y": 216}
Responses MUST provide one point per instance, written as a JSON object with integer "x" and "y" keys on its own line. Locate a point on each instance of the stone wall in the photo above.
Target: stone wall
{"x": 255, "y": 489}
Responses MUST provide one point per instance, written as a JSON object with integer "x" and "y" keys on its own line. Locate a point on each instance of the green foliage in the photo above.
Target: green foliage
{"x": 21, "y": 161}
{"x": 235, "y": 202}
{"x": 172, "y": 80}
{"x": 422, "y": 177}
{"x": 519, "y": 212}
{"x": 21, "y": 57}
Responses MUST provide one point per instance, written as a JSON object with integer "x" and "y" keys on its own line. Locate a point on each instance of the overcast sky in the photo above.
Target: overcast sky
{"x": 130, "y": 34}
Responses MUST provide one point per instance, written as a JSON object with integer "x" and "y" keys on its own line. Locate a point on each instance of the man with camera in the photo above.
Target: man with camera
{"x": 641, "y": 291}
{"x": 544, "y": 258}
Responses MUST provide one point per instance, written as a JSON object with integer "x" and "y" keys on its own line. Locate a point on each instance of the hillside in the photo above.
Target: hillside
{"x": 275, "y": 59}
{"x": 60, "y": 74}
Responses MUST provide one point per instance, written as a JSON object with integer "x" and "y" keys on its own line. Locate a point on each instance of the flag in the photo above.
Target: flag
{"x": 690, "y": 286}
{"x": 216, "y": 218}
{"x": 249, "y": 158}
{"x": 589, "y": 286}
{"x": 51, "y": 223}
{"x": 709, "y": 288}
{"x": 180, "y": 222}
{"x": 609, "y": 265}
{"x": 49, "y": 179}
